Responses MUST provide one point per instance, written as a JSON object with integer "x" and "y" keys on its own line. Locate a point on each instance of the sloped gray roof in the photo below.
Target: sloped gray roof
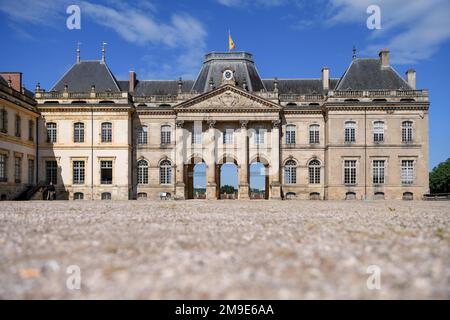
{"x": 160, "y": 87}
{"x": 368, "y": 74}
{"x": 299, "y": 86}
{"x": 81, "y": 76}
{"x": 241, "y": 63}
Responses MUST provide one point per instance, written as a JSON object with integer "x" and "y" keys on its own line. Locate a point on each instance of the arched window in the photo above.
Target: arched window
{"x": 314, "y": 135}
{"x": 141, "y": 196}
{"x": 106, "y": 196}
{"x": 165, "y": 172}
{"x": 314, "y": 171}
{"x": 350, "y": 195}
{"x": 142, "y": 172}
{"x": 350, "y": 129}
{"x": 290, "y": 134}
{"x": 78, "y": 196}
{"x": 314, "y": 196}
{"x": 106, "y": 132}
{"x": 142, "y": 135}
{"x": 78, "y": 132}
{"x": 165, "y": 134}
{"x": 408, "y": 196}
{"x": 3, "y": 121}
{"x": 378, "y": 131}
{"x": 290, "y": 172}
{"x": 51, "y": 132}
{"x": 407, "y": 131}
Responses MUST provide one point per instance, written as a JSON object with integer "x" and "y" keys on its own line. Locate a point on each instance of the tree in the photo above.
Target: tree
{"x": 440, "y": 178}
{"x": 227, "y": 189}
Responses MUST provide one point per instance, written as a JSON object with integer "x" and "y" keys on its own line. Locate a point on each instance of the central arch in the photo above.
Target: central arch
{"x": 259, "y": 178}
{"x": 228, "y": 177}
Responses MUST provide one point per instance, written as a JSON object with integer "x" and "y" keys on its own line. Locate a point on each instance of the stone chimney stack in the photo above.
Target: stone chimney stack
{"x": 411, "y": 78}
{"x": 384, "y": 57}
{"x": 14, "y": 79}
{"x": 325, "y": 78}
{"x": 132, "y": 81}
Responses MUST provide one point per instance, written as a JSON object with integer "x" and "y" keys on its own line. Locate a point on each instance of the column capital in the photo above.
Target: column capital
{"x": 244, "y": 124}
{"x": 179, "y": 123}
{"x": 211, "y": 123}
{"x": 276, "y": 123}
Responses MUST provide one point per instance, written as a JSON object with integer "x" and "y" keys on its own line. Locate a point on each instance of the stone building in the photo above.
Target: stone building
{"x": 361, "y": 136}
{"x": 18, "y": 127}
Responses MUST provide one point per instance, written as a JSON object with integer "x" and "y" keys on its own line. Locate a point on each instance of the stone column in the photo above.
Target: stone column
{"x": 243, "y": 161}
{"x": 211, "y": 184}
{"x": 179, "y": 161}
{"x": 275, "y": 186}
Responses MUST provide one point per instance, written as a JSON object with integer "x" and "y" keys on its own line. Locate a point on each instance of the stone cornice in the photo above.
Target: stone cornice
{"x": 385, "y": 106}
{"x": 85, "y": 107}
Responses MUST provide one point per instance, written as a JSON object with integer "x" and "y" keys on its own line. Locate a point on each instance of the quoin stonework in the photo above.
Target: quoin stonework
{"x": 361, "y": 136}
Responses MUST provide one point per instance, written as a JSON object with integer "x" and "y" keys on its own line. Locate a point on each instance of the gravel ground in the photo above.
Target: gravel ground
{"x": 225, "y": 249}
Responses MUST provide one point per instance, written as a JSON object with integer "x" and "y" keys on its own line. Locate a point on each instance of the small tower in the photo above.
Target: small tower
{"x": 78, "y": 53}
{"x": 354, "y": 53}
{"x": 103, "y": 51}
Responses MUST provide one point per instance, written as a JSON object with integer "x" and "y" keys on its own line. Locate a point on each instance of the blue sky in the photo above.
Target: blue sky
{"x": 289, "y": 39}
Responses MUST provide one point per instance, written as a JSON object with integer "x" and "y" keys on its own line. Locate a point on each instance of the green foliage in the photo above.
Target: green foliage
{"x": 440, "y": 178}
{"x": 227, "y": 189}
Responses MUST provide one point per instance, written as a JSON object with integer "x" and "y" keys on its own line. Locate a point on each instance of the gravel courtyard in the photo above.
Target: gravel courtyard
{"x": 225, "y": 249}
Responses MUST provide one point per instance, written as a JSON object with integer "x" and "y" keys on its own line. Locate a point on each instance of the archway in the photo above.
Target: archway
{"x": 195, "y": 177}
{"x": 259, "y": 180}
{"x": 228, "y": 181}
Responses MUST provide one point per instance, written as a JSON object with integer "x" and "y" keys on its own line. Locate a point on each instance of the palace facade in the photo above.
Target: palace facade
{"x": 361, "y": 136}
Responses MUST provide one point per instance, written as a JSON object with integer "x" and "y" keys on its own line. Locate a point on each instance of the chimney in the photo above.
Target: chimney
{"x": 132, "y": 82}
{"x": 384, "y": 57}
{"x": 325, "y": 78}
{"x": 15, "y": 78}
{"x": 411, "y": 78}
{"x": 180, "y": 85}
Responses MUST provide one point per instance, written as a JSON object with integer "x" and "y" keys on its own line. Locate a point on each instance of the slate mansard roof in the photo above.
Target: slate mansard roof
{"x": 368, "y": 74}
{"x": 84, "y": 74}
{"x": 362, "y": 74}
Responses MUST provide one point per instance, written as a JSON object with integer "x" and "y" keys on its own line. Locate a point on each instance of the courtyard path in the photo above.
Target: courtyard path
{"x": 225, "y": 249}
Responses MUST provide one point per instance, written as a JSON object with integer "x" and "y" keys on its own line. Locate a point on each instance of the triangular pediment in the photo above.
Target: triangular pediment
{"x": 228, "y": 98}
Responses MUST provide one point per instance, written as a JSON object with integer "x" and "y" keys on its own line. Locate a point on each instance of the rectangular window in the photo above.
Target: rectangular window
{"x": 51, "y": 132}
{"x": 106, "y": 173}
{"x": 3, "y": 121}
{"x": 378, "y": 171}
{"x": 259, "y": 135}
{"x": 350, "y": 130}
{"x": 51, "y": 172}
{"x": 407, "y": 173}
{"x": 407, "y": 131}
{"x": 3, "y": 177}
{"x": 30, "y": 171}
{"x": 107, "y": 132}
{"x": 378, "y": 131}
{"x": 18, "y": 131}
{"x": 78, "y": 172}
{"x": 314, "y": 136}
{"x": 166, "y": 135}
{"x": 31, "y": 130}
{"x": 142, "y": 135}
{"x": 78, "y": 132}
{"x": 228, "y": 136}
{"x": 349, "y": 171}
{"x": 17, "y": 169}
{"x": 290, "y": 134}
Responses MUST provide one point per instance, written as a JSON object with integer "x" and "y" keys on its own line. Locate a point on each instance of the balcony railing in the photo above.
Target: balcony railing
{"x": 377, "y": 93}
{"x": 81, "y": 95}
{"x": 301, "y": 97}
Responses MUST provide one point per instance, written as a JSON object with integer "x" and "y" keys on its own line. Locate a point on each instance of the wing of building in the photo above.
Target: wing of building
{"x": 361, "y": 136}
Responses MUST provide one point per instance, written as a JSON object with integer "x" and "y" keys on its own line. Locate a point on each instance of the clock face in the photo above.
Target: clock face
{"x": 228, "y": 74}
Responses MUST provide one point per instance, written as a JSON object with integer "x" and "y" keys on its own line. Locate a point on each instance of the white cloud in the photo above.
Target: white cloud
{"x": 412, "y": 30}
{"x": 182, "y": 38}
